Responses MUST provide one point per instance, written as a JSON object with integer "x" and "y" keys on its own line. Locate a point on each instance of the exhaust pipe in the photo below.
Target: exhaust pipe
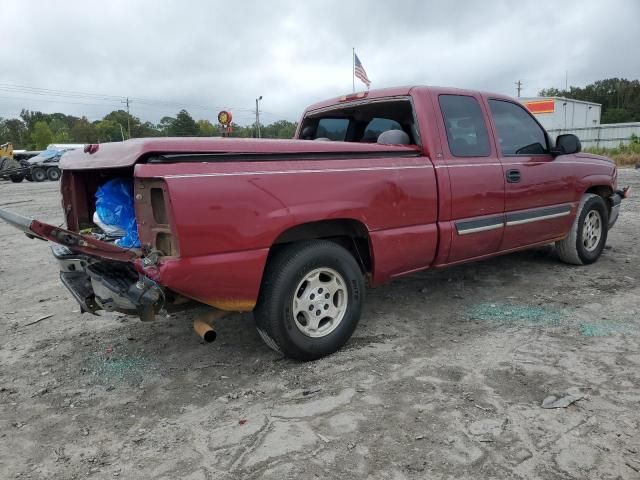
{"x": 204, "y": 330}
{"x": 203, "y": 327}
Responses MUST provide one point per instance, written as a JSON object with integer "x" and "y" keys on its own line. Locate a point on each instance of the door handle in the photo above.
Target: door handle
{"x": 513, "y": 176}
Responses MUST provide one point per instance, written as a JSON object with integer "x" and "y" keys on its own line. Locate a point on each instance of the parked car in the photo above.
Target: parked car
{"x": 293, "y": 230}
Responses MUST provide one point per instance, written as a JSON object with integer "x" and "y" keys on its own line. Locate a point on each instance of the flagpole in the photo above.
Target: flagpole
{"x": 353, "y": 68}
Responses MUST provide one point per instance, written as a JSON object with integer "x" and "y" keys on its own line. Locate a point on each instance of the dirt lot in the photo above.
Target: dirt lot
{"x": 444, "y": 377}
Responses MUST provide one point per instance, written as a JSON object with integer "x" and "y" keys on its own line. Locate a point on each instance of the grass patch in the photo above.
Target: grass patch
{"x": 624, "y": 155}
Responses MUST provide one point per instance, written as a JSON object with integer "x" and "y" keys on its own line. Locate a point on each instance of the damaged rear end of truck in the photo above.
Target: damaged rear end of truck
{"x": 100, "y": 274}
{"x": 208, "y": 213}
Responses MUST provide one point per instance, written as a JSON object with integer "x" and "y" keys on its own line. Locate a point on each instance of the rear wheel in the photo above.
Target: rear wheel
{"x": 588, "y": 234}
{"x": 16, "y": 178}
{"x": 38, "y": 174}
{"x": 53, "y": 174}
{"x": 311, "y": 299}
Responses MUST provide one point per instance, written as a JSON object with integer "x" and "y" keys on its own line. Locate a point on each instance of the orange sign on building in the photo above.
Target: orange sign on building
{"x": 541, "y": 106}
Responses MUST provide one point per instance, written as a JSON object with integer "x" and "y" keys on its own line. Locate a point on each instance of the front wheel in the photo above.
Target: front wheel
{"x": 16, "y": 178}
{"x": 588, "y": 234}
{"x": 311, "y": 299}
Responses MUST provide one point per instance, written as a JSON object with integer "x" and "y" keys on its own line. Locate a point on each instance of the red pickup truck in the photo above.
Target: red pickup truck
{"x": 375, "y": 185}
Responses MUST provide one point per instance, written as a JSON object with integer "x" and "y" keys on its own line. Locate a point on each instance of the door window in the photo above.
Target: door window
{"x": 466, "y": 129}
{"x": 518, "y": 133}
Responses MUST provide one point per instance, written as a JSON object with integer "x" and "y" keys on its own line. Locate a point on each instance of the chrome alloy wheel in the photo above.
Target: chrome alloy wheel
{"x": 320, "y": 302}
{"x": 592, "y": 230}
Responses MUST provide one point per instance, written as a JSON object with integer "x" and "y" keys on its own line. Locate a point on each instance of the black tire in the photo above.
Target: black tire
{"x": 28, "y": 177}
{"x": 53, "y": 174}
{"x": 574, "y": 249}
{"x": 38, "y": 174}
{"x": 16, "y": 178}
{"x": 285, "y": 271}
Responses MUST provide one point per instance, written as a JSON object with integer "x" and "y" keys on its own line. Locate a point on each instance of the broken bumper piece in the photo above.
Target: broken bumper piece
{"x": 108, "y": 285}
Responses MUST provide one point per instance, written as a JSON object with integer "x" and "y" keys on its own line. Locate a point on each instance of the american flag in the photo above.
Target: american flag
{"x": 359, "y": 71}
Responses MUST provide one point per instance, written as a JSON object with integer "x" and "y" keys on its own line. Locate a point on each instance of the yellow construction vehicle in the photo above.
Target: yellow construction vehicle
{"x": 6, "y": 150}
{"x": 9, "y": 166}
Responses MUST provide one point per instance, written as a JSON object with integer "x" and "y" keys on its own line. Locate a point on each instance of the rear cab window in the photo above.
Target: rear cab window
{"x": 466, "y": 129}
{"x": 363, "y": 122}
{"x": 518, "y": 132}
{"x": 332, "y": 128}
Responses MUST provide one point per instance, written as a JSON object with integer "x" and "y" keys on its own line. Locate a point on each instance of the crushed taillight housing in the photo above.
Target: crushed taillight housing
{"x": 153, "y": 213}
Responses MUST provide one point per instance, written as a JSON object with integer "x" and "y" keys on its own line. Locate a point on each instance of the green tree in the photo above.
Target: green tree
{"x": 109, "y": 131}
{"x": 41, "y": 135}
{"x": 84, "y": 131}
{"x": 183, "y": 126}
{"x": 166, "y": 125}
{"x": 15, "y": 131}
{"x": 242, "y": 132}
{"x": 59, "y": 130}
{"x": 121, "y": 117}
{"x": 619, "y": 97}
{"x": 279, "y": 129}
{"x": 206, "y": 129}
{"x": 148, "y": 129}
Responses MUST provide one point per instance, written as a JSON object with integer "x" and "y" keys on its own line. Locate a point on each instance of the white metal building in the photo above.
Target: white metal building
{"x": 563, "y": 113}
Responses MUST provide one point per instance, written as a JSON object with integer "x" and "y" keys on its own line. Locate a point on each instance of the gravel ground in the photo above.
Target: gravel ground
{"x": 444, "y": 378}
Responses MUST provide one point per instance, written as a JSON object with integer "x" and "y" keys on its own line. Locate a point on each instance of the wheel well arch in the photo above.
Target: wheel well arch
{"x": 349, "y": 233}
{"x": 604, "y": 191}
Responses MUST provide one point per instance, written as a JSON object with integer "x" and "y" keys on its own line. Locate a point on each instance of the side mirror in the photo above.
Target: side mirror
{"x": 566, "y": 144}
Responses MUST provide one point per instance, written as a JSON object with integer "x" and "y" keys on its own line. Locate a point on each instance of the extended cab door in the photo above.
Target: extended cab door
{"x": 475, "y": 178}
{"x": 539, "y": 189}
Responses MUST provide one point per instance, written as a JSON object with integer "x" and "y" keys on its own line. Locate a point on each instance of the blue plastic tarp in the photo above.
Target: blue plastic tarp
{"x": 114, "y": 206}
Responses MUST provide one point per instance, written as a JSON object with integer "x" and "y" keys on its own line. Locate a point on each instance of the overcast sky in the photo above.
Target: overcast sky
{"x": 207, "y": 55}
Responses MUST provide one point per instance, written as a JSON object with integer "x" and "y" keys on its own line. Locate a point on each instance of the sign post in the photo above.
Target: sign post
{"x": 224, "y": 119}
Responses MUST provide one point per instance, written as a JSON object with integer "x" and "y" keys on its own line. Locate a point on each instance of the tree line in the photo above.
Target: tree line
{"x": 35, "y": 130}
{"x": 620, "y": 98}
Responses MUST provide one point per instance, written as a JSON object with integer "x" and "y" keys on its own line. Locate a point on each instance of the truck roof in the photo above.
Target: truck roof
{"x": 127, "y": 153}
{"x": 397, "y": 92}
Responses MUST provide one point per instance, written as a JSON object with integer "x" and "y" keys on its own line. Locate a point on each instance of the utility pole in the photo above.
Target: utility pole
{"x": 128, "y": 116}
{"x": 519, "y": 87}
{"x": 258, "y": 115}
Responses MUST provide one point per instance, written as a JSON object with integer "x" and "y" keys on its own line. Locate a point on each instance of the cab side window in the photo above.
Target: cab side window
{"x": 466, "y": 129}
{"x": 518, "y": 133}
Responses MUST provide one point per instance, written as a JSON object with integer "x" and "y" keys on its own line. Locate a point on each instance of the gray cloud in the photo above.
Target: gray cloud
{"x": 208, "y": 55}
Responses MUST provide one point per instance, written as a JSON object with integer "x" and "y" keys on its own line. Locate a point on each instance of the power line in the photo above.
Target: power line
{"x": 104, "y": 97}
